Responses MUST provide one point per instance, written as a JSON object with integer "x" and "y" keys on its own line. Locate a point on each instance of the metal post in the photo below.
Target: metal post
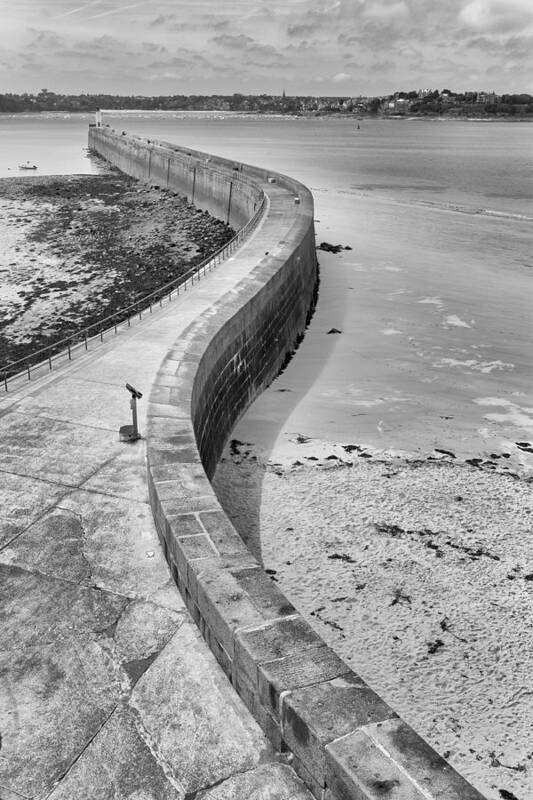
{"x": 229, "y": 200}
{"x": 193, "y": 184}
{"x": 133, "y": 405}
{"x": 130, "y": 433}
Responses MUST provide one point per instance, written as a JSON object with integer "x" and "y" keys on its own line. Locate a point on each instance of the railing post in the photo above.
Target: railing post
{"x": 229, "y": 200}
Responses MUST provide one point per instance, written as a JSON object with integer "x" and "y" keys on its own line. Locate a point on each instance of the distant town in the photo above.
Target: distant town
{"x": 418, "y": 103}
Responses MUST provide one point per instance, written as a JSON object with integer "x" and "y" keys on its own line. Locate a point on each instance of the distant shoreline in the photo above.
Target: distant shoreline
{"x": 361, "y": 117}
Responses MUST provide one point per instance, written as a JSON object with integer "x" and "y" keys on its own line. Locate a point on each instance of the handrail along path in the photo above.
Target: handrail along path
{"x": 45, "y": 356}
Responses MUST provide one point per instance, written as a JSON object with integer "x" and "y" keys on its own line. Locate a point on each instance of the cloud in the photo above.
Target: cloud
{"x": 512, "y": 47}
{"x": 243, "y": 43}
{"x": 153, "y": 47}
{"x": 383, "y": 66}
{"x": 45, "y": 40}
{"x": 301, "y": 29}
{"x": 497, "y": 16}
{"x": 203, "y": 22}
{"x": 385, "y": 10}
{"x": 262, "y": 44}
{"x": 163, "y": 20}
{"x": 192, "y": 60}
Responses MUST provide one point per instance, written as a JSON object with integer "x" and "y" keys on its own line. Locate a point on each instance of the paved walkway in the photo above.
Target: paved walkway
{"x": 106, "y": 688}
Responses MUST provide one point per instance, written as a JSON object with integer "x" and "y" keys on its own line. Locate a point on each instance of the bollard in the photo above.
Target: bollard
{"x": 130, "y": 433}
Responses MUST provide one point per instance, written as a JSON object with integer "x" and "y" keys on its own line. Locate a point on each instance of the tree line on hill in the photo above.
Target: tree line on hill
{"x": 414, "y": 103}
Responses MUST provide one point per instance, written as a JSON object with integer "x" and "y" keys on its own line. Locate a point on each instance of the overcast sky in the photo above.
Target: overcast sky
{"x": 328, "y": 47}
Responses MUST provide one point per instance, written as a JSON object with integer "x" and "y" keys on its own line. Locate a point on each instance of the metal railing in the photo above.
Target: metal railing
{"x": 64, "y": 348}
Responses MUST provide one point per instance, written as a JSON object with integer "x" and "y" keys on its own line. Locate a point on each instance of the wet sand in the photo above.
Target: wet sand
{"x": 74, "y": 249}
{"x": 385, "y": 476}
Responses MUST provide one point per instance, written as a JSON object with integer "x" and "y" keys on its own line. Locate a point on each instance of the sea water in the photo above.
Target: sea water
{"x": 433, "y": 299}
{"x": 433, "y": 305}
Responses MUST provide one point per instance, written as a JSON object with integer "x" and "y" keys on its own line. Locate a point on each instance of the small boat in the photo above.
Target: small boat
{"x": 27, "y": 165}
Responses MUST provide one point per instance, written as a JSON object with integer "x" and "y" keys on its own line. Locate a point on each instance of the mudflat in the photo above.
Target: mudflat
{"x": 74, "y": 249}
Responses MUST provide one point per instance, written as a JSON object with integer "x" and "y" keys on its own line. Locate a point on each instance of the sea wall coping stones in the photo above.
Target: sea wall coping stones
{"x": 343, "y": 739}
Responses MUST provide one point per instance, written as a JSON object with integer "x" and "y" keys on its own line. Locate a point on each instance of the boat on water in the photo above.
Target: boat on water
{"x": 27, "y": 165}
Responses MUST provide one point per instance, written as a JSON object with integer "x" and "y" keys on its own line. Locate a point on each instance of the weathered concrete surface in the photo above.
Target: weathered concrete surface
{"x": 106, "y": 688}
{"x": 263, "y": 783}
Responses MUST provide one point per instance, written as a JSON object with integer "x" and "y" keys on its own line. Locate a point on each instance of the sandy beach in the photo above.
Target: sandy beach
{"x": 384, "y": 479}
{"x": 76, "y": 248}
{"x": 418, "y": 573}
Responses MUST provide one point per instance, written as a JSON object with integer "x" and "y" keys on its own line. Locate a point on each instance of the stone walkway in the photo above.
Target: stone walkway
{"x": 106, "y": 688}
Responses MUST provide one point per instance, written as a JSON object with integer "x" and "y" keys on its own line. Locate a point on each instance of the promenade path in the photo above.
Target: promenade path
{"x": 106, "y": 688}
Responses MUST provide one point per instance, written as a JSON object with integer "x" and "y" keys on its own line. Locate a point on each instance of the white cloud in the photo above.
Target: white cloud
{"x": 385, "y": 10}
{"x": 498, "y": 16}
{"x": 383, "y": 45}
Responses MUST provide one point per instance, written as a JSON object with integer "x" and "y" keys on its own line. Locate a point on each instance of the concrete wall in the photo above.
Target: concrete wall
{"x": 344, "y": 741}
{"x": 219, "y": 187}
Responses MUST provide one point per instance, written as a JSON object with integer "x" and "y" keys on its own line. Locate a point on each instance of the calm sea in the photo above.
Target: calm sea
{"x": 435, "y": 294}
{"x": 483, "y": 165}
{"x": 432, "y": 300}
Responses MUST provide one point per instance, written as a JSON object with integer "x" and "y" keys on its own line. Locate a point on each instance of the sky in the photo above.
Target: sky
{"x": 306, "y": 47}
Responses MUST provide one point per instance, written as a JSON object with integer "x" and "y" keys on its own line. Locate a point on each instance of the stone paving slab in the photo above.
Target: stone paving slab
{"x": 106, "y": 688}
{"x": 131, "y": 769}
{"x": 197, "y": 726}
{"x": 263, "y": 783}
{"x": 59, "y": 684}
{"x": 21, "y": 500}
{"x": 61, "y": 452}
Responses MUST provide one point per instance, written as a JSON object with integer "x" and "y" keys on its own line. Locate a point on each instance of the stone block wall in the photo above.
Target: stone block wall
{"x": 218, "y": 186}
{"x": 341, "y": 737}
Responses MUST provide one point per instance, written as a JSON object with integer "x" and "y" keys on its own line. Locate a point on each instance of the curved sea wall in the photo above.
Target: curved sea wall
{"x": 343, "y": 740}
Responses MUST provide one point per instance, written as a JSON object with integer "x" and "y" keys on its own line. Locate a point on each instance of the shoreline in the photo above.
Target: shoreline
{"x": 361, "y": 116}
{"x": 76, "y": 248}
{"x": 416, "y": 572}
{"x": 370, "y": 478}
